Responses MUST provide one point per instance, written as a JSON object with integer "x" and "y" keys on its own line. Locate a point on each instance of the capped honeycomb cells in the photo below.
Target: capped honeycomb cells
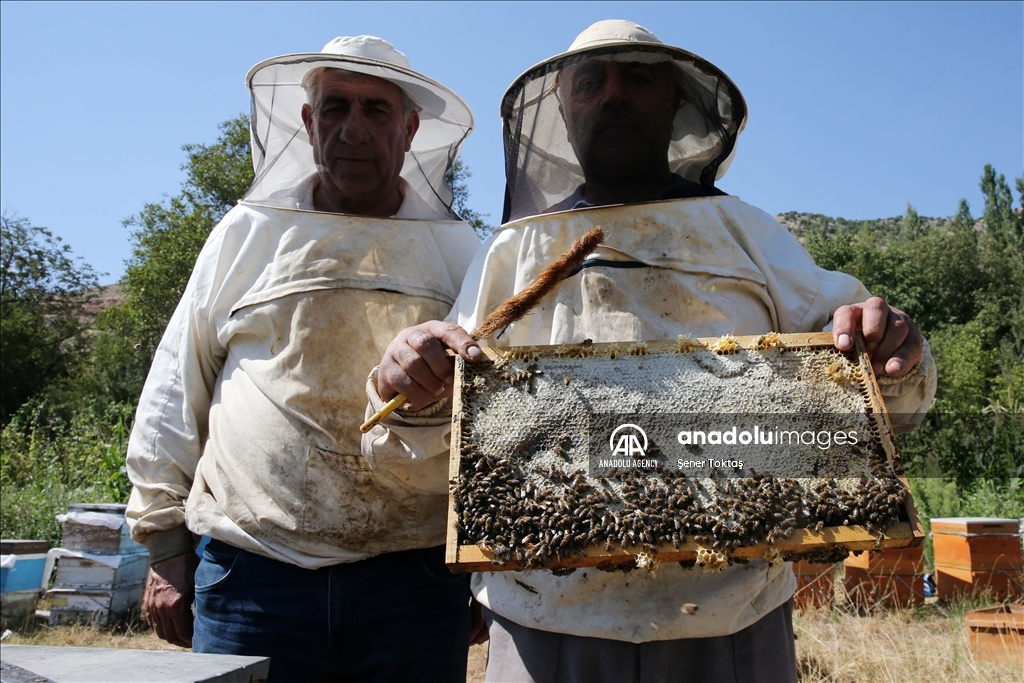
{"x": 526, "y": 495}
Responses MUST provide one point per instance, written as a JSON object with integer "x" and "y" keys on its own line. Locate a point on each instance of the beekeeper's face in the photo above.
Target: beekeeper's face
{"x": 619, "y": 116}
{"x": 360, "y": 132}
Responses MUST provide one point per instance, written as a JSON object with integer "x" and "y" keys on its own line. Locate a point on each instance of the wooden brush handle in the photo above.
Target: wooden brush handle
{"x": 389, "y": 407}
{"x": 515, "y": 307}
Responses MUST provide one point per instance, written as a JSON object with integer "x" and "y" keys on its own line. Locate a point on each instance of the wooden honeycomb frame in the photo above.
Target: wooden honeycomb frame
{"x": 799, "y": 542}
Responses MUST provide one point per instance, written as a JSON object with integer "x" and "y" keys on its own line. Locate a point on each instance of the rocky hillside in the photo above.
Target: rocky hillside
{"x": 799, "y": 223}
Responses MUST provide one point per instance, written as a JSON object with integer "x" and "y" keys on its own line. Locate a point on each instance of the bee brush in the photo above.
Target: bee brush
{"x": 516, "y": 306}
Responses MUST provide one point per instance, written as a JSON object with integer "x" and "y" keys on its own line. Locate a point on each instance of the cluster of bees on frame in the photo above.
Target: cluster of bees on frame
{"x": 500, "y": 509}
{"x": 539, "y": 515}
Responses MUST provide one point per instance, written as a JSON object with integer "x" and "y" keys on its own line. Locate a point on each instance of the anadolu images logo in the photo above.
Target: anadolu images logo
{"x": 628, "y": 442}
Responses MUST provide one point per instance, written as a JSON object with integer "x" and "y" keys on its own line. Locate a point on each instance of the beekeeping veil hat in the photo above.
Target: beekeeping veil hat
{"x": 541, "y": 168}
{"x": 281, "y": 154}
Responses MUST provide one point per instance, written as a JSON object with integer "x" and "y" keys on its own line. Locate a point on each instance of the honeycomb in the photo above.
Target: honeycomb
{"x": 535, "y": 483}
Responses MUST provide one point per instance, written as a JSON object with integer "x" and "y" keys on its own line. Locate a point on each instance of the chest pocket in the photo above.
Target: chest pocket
{"x": 323, "y": 311}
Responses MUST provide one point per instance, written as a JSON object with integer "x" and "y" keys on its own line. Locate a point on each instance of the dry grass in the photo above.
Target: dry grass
{"x": 134, "y": 634}
{"x": 130, "y": 633}
{"x": 477, "y": 669}
{"x": 927, "y": 643}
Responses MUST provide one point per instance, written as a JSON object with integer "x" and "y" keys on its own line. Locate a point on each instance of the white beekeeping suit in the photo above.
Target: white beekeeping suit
{"x": 252, "y": 407}
{"x": 694, "y": 261}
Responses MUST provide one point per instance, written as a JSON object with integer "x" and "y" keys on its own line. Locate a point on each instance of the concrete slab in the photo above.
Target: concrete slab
{"x": 110, "y": 665}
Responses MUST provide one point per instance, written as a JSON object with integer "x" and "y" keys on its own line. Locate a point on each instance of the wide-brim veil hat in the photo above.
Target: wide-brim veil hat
{"x": 281, "y": 154}
{"x": 541, "y": 167}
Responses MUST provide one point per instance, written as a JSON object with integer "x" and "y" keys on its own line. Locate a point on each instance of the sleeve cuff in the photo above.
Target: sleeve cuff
{"x": 163, "y": 545}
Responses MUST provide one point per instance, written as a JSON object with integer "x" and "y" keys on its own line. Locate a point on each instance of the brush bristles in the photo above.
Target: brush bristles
{"x": 515, "y": 307}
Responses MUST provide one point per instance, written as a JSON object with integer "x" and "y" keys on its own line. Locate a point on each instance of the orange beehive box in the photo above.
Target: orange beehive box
{"x": 955, "y": 583}
{"x": 814, "y": 585}
{"x": 997, "y": 634}
{"x": 974, "y": 554}
{"x": 905, "y": 561}
{"x": 891, "y": 577}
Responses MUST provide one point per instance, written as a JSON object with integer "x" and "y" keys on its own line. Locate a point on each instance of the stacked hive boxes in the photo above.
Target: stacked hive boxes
{"x": 101, "y": 571}
{"x": 894, "y": 576}
{"x": 814, "y": 585}
{"x": 978, "y": 554}
{"x": 23, "y": 577}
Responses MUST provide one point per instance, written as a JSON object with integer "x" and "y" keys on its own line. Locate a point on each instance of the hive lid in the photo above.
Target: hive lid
{"x": 976, "y": 525}
{"x": 106, "y": 508}
{"x": 21, "y": 547}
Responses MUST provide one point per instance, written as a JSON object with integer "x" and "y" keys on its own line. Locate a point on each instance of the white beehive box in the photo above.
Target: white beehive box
{"x": 99, "y": 529}
{"x": 101, "y": 571}
{"x": 106, "y": 572}
{"x": 101, "y": 607}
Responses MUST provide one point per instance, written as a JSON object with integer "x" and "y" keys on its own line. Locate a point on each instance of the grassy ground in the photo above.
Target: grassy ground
{"x": 927, "y": 644}
{"x": 133, "y": 633}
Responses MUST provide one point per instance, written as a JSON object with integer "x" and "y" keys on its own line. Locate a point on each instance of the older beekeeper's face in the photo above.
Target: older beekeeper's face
{"x": 360, "y": 130}
{"x": 619, "y": 116}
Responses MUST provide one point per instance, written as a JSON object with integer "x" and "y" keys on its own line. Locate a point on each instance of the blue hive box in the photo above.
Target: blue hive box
{"x": 22, "y": 568}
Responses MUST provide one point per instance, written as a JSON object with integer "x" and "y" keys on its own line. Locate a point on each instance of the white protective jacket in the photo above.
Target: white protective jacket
{"x": 717, "y": 266}
{"x": 248, "y": 427}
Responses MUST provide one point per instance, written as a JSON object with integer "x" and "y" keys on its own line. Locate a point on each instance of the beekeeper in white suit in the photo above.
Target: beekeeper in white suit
{"x": 247, "y": 429}
{"x": 631, "y": 134}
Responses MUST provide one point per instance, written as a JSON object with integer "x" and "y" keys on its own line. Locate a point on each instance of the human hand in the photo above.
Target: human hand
{"x": 478, "y": 634}
{"x": 167, "y": 602}
{"x": 415, "y": 363}
{"x": 891, "y": 338}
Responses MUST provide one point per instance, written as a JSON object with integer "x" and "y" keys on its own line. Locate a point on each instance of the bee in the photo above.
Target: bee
{"x": 686, "y": 344}
{"x": 637, "y": 349}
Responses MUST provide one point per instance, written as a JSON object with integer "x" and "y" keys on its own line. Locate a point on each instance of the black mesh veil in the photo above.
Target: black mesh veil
{"x": 541, "y": 168}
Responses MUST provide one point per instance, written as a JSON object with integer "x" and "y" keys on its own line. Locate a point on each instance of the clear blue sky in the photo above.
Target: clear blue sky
{"x": 855, "y": 108}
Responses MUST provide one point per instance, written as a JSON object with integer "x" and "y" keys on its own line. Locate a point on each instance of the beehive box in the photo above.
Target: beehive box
{"x": 815, "y": 585}
{"x": 977, "y": 554}
{"x": 23, "y": 577}
{"x": 95, "y": 606}
{"x": 894, "y": 576}
{"x": 997, "y": 634}
{"x": 101, "y": 571}
{"x": 99, "y": 529}
{"x": 695, "y": 451}
{"x": 82, "y": 570}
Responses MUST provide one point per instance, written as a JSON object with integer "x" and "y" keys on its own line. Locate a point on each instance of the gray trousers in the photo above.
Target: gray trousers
{"x": 764, "y": 651}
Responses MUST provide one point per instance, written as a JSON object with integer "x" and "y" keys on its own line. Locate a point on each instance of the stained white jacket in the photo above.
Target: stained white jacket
{"x": 248, "y": 427}
{"x": 717, "y": 266}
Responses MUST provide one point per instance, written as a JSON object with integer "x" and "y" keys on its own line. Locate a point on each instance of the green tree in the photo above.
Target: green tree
{"x": 457, "y": 178}
{"x": 43, "y": 288}
{"x": 912, "y": 224}
{"x": 1001, "y": 221}
{"x": 167, "y": 238}
{"x": 963, "y": 283}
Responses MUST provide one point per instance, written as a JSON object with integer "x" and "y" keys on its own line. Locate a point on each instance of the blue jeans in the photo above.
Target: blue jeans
{"x": 395, "y": 617}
